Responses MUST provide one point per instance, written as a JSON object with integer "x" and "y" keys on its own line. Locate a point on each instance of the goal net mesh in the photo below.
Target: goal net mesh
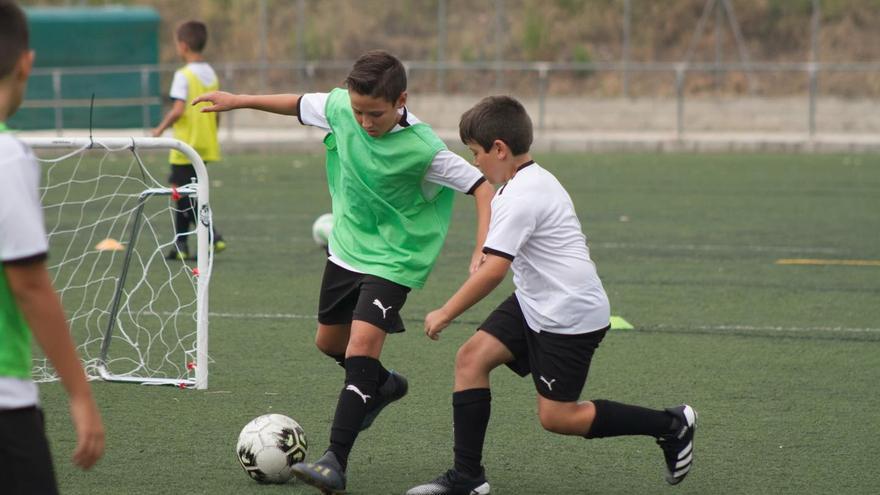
{"x": 132, "y": 310}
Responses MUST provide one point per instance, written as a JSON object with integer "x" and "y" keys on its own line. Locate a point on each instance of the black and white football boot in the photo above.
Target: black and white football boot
{"x": 453, "y": 483}
{"x": 678, "y": 446}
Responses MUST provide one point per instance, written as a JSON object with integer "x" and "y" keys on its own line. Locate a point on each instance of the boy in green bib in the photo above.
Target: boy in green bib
{"x": 29, "y": 306}
{"x": 194, "y": 128}
{"x": 392, "y": 183}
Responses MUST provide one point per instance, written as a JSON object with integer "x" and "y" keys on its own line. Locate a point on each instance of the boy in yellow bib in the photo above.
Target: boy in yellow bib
{"x": 191, "y": 126}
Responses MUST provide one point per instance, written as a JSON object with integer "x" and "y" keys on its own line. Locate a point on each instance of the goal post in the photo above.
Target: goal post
{"x": 136, "y": 314}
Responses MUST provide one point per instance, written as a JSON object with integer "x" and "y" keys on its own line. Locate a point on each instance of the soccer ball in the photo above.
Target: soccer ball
{"x": 321, "y": 229}
{"x": 269, "y": 446}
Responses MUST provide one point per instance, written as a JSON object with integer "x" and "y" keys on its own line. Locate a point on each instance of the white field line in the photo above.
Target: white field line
{"x": 715, "y": 328}
{"x": 716, "y": 247}
{"x": 288, "y": 234}
{"x": 269, "y": 316}
{"x": 750, "y": 328}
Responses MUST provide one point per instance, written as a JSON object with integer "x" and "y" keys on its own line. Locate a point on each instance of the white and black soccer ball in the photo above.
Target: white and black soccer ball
{"x": 269, "y": 446}
{"x": 321, "y": 229}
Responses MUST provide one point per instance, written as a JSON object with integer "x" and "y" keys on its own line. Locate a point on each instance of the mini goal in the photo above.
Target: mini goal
{"x": 136, "y": 314}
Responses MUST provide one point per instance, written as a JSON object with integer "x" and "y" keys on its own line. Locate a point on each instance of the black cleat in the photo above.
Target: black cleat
{"x": 678, "y": 447}
{"x": 325, "y": 474}
{"x": 453, "y": 483}
{"x": 392, "y": 390}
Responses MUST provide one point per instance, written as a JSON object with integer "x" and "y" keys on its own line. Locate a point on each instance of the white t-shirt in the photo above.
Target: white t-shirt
{"x": 446, "y": 169}
{"x": 534, "y": 224}
{"x": 179, "y": 85}
{"x": 22, "y": 235}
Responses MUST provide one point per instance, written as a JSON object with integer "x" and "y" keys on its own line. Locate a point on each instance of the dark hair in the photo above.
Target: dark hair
{"x": 194, "y": 34}
{"x": 497, "y": 117}
{"x": 13, "y": 36}
{"x": 377, "y": 74}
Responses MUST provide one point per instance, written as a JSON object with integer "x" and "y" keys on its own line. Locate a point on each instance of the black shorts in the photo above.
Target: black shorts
{"x": 558, "y": 363}
{"x": 347, "y": 296}
{"x": 25, "y": 460}
{"x": 182, "y": 175}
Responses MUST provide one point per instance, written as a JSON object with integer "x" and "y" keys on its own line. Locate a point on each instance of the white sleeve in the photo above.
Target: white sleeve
{"x": 450, "y": 170}
{"x": 22, "y": 232}
{"x": 511, "y": 224}
{"x": 179, "y": 87}
{"x": 310, "y": 110}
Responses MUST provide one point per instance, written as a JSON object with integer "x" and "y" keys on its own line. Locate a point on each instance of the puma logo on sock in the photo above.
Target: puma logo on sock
{"x": 357, "y": 391}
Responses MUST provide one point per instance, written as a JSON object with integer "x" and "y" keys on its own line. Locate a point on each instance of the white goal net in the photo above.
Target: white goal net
{"x": 137, "y": 313}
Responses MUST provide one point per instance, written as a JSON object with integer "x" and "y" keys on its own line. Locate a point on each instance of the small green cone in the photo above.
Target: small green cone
{"x": 618, "y": 323}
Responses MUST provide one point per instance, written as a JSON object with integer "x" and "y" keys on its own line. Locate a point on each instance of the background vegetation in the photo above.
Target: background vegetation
{"x": 568, "y": 31}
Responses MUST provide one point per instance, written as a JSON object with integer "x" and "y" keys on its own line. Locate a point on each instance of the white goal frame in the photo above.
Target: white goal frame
{"x": 205, "y": 249}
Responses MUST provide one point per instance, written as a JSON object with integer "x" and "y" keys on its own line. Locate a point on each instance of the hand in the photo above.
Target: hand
{"x": 435, "y": 322}
{"x": 89, "y": 432}
{"x": 477, "y": 259}
{"x": 221, "y": 101}
{"x": 156, "y": 132}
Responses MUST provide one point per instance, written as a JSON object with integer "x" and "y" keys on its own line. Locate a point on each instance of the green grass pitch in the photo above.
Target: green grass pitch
{"x": 780, "y": 361}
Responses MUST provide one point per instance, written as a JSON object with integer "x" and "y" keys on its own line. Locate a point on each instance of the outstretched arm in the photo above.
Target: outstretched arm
{"x": 475, "y": 288}
{"x": 39, "y": 304}
{"x": 221, "y": 101}
{"x": 483, "y": 196}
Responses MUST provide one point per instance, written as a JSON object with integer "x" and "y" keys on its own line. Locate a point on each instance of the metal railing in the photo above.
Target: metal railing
{"x": 253, "y": 77}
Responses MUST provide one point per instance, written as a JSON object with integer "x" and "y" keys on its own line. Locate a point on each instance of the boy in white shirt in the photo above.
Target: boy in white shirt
{"x": 551, "y": 325}
{"x": 29, "y": 305}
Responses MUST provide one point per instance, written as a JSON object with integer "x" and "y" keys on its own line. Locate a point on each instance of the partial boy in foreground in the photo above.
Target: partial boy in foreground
{"x": 28, "y": 302}
{"x": 551, "y": 325}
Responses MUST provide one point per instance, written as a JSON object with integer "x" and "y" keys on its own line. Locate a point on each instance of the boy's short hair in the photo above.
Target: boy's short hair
{"x": 194, "y": 34}
{"x": 497, "y": 117}
{"x": 378, "y": 74}
{"x": 13, "y": 36}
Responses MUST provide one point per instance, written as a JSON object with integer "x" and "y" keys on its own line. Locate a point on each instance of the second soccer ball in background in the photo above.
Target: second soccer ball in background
{"x": 321, "y": 229}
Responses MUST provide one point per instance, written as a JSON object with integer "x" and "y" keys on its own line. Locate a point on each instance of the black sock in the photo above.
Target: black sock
{"x": 340, "y": 360}
{"x": 360, "y": 390}
{"x": 182, "y": 220}
{"x": 470, "y": 418}
{"x": 614, "y": 419}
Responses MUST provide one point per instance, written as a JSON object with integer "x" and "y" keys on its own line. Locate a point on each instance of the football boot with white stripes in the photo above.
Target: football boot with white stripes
{"x": 325, "y": 474}
{"x": 453, "y": 483}
{"x": 678, "y": 446}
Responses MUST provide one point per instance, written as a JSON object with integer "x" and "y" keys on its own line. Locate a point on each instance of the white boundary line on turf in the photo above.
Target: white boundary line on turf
{"x": 716, "y": 247}
{"x": 762, "y": 329}
{"x": 271, "y": 316}
{"x": 291, "y": 233}
{"x": 720, "y": 328}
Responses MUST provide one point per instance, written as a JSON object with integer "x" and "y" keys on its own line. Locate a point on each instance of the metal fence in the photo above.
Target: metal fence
{"x": 667, "y": 99}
